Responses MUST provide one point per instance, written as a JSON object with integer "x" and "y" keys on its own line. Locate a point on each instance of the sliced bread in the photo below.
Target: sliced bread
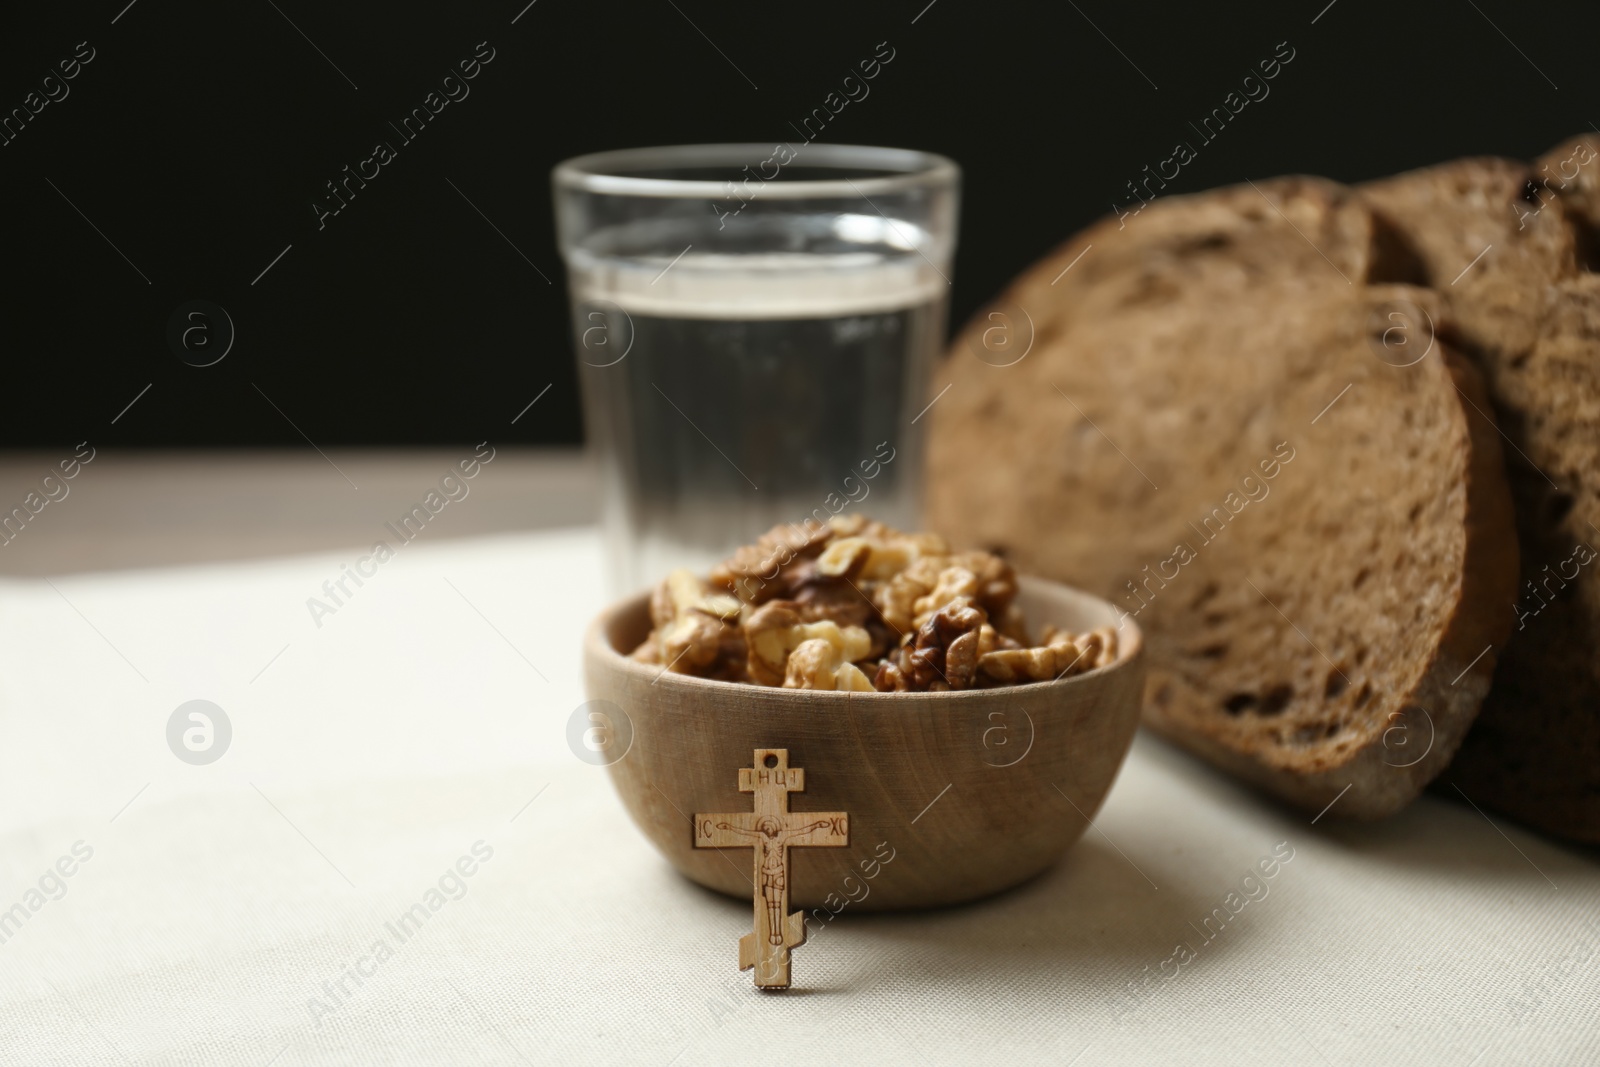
{"x": 1316, "y": 539}
{"x": 1505, "y": 246}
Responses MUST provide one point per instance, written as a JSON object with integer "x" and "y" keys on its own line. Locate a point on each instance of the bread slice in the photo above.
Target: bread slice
{"x": 1531, "y": 318}
{"x": 1311, "y": 630}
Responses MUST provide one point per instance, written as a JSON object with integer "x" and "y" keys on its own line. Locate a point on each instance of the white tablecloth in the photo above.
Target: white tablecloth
{"x": 232, "y": 913}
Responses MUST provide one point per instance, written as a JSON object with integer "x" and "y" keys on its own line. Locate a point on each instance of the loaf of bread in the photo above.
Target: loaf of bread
{"x": 1229, "y": 425}
{"x": 1510, "y": 249}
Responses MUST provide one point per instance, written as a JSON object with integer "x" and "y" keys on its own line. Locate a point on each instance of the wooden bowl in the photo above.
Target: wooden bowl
{"x": 966, "y": 793}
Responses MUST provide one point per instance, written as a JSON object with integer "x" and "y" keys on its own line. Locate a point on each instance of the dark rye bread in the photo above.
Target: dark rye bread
{"x": 1530, "y": 314}
{"x": 1294, "y": 637}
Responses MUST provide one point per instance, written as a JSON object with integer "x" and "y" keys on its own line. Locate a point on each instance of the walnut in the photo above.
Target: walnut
{"x": 1064, "y": 655}
{"x": 731, "y": 663}
{"x": 953, "y": 619}
{"x": 811, "y": 666}
{"x": 924, "y": 570}
{"x": 1084, "y": 652}
{"x": 997, "y": 581}
{"x": 844, "y": 558}
{"x": 890, "y": 678}
{"x": 953, "y": 582}
{"x": 909, "y": 669}
{"x": 690, "y": 642}
{"x": 1101, "y": 644}
{"x": 1018, "y": 665}
{"x": 1071, "y": 657}
{"x": 775, "y": 630}
{"x": 838, "y": 602}
{"x": 766, "y": 633}
{"x": 896, "y": 601}
{"x": 682, "y": 592}
{"x": 864, "y": 558}
{"x": 897, "y": 597}
{"x": 853, "y": 642}
{"x": 689, "y": 623}
{"x": 814, "y": 664}
{"x": 755, "y": 573}
{"x": 850, "y": 678}
{"x": 927, "y": 664}
{"x": 961, "y": 661}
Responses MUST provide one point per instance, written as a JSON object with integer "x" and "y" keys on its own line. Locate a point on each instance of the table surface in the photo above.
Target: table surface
{"x": 249, "y": 911}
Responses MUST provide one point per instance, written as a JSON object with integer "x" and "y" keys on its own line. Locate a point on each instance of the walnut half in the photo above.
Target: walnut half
{"x": 774, "y": 631}
{"x": 814, "y": 664}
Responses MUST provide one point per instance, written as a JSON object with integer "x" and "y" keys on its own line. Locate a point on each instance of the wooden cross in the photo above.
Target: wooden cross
{"x": 771, "y": 830}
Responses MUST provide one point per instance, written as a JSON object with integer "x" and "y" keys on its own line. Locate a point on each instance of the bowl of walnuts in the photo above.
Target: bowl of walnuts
{"x": 969, "y": 749}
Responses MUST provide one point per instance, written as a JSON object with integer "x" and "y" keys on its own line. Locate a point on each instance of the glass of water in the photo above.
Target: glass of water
{"x": 754, "y": 326}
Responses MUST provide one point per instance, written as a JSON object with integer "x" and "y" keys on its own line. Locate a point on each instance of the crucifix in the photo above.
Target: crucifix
{"x": 771, "y": 830}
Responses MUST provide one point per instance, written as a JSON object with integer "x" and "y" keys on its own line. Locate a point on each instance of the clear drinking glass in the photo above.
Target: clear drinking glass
{"x": 754, "y": 326}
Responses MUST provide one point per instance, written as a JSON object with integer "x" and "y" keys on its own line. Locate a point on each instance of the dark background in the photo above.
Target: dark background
{"x": 200, "y": 134}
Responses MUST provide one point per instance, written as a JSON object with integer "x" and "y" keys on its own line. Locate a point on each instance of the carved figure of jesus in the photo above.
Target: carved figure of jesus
{"x": 770, "y": 839}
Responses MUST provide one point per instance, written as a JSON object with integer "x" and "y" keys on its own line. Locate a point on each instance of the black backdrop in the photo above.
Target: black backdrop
{"x": 186, "y": 154}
